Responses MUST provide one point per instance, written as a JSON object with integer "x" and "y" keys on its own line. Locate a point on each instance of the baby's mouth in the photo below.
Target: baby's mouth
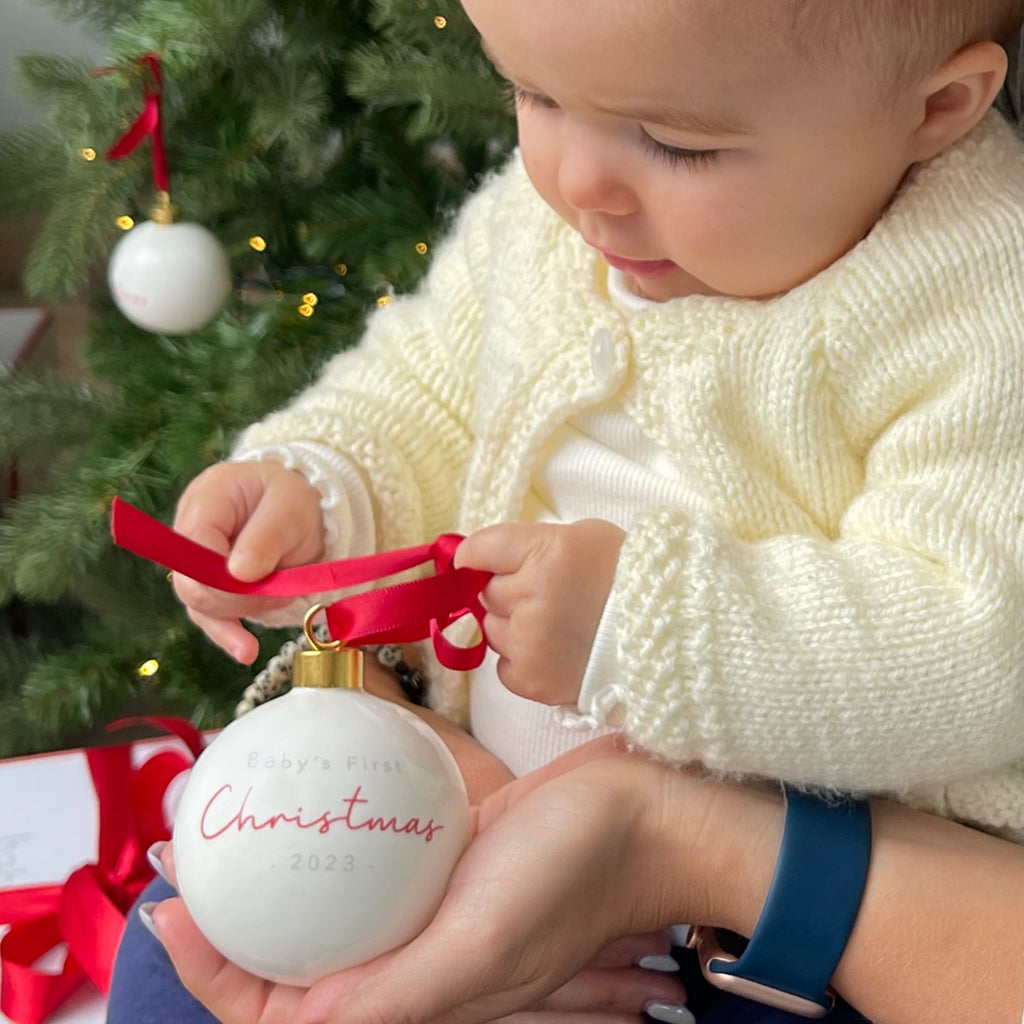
{"x": 639, "y": 268}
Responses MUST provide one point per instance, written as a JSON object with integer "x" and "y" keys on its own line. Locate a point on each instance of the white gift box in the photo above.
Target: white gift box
{"x": 49, "y": 826}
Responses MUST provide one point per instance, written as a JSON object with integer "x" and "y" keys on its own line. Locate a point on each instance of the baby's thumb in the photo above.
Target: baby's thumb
{"x": 266, "y": 540}
{"x": 250, "y": 562}
{"x": 493, "y": 549}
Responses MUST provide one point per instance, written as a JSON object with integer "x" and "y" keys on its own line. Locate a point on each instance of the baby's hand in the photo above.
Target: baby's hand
{"x": 263, "y": 517}
{"x": 544, "y": 601}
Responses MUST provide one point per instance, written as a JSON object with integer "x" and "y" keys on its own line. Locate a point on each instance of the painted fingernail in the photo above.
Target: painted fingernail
{"x": 658, "y": 962}
{"x": 153, "y": 856}
{"x": 672, "y": 1013}
{"x": 146, "y": 917}
{"x": 678, "y": 934}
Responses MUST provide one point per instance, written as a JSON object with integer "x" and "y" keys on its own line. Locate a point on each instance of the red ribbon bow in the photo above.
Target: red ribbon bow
{"x": 399, "y": 613}
{"x": 147, "y": 124}
{"x": 87, "y": 911}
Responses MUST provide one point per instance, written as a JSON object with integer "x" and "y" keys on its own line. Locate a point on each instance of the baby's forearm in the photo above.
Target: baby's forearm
{"x": 838, "y": 664}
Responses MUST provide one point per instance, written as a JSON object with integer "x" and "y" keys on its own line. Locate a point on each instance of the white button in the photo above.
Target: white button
{"x": 601, "y": 355}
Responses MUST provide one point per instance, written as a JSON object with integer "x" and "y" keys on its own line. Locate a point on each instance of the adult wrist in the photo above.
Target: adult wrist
{"x": 712, "y": 845}
{"x": 812, "y": 905}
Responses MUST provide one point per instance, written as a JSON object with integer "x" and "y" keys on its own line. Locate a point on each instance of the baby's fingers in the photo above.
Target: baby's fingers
{"x": 228, "y": 634}
{"x": 282, "y": 531}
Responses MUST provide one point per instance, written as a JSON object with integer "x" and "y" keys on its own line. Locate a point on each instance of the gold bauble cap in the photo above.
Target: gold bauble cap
{"x": 326, "y": 665}
{"x": 162, "y": 212}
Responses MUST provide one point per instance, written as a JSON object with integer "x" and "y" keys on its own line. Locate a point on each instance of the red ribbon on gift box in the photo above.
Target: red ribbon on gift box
{"x": 397, "y": 614}
{"x": 87, "y": 911}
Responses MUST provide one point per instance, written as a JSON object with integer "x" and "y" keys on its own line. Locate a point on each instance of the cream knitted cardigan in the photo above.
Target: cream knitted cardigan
{"x": 841, "y": 604}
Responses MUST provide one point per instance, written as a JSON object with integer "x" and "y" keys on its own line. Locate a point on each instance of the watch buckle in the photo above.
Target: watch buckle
{"x": 710, "y": 954}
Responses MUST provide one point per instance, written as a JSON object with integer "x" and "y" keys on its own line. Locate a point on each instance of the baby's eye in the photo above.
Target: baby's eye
{"x": 675, "y": 156}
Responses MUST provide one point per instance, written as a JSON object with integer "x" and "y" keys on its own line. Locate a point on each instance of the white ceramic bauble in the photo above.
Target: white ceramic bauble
{"x": 317, "y": 832}
{"x": 169, "y": 278}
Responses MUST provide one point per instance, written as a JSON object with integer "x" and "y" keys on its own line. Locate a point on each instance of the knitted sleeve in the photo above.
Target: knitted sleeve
{"x": 398, "y": 407}
{"x": 886, "y": 651}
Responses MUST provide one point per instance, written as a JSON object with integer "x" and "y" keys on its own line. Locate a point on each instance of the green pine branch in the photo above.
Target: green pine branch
{"x": 343, "y": 135}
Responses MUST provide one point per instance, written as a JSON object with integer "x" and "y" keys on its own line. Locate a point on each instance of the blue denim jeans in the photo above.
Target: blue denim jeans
{"x": 145, "y": 989}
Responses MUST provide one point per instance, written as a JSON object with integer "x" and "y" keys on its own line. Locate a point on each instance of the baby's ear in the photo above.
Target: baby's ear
{"x": 955, "y": 97}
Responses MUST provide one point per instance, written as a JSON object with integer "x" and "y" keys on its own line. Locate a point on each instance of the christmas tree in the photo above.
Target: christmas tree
{"x": 325, "y": 144}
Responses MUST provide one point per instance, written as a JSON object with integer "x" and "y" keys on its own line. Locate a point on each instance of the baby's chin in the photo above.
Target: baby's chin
{"x": 676, "y": 285}
{"x": 681, "y": 283}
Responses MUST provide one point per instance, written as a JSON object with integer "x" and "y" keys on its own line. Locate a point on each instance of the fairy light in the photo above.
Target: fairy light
{"x": 341, "y": 269}
{"x": 384, "y": 300}
{"x": 422, "y": 248}
{"x": 149, "y": 668}
{"x": 258, "y": 243}
{"x": 310, "y": 299}
{"x": 307, "y": 310}
{"x": 440, "y": 21}
{"x": 125, "y": 223}
{"x": 87, "y": 153}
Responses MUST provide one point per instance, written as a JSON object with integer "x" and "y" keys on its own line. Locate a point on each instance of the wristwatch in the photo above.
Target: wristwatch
{"x": 809, "y": 912}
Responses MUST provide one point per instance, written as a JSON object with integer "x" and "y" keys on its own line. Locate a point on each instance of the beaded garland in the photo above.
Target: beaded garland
{"x": 269, "y": 681}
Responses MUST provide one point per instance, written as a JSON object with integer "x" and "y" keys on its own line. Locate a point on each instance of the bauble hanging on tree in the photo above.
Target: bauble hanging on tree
{"x": 165, "y": 277}
{"x": 169, "y": 277}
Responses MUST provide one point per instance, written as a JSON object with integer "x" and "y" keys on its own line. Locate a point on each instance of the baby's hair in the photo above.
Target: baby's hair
{"x": 902, "y": 39}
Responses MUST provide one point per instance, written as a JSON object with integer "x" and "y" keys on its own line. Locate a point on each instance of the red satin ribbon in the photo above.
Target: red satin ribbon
{"x": 87, "y": 911}
{"x": 399, "y": 613}
{"x": 147, "y": 124}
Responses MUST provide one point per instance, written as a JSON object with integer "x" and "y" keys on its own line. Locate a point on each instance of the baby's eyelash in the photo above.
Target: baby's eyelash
{"x": 675, "y": 156}
{"x": 520, "y": 96}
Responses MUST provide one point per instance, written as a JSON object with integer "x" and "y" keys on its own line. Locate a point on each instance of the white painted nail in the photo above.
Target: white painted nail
{"x": 146, "y": 917}
{"x": 671, "y": 1013}
{"x": 678, "y": 934}
{"x": 153, "y": 856}
{"x": 658, "y": 962}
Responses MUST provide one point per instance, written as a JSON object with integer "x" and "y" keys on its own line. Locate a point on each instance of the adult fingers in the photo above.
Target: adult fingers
{"x": 167, "y": 868}
{"x": 632, "y": 949}
{"x": 476, "y": 937}
{"x": 404, "y": 986}
{"x": 614, "y": 990}
{"x": 231, "y": 994}
{"x": 553, "y": 1017}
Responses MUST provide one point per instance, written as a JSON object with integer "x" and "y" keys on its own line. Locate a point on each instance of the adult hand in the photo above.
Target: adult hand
{"x": 544, "y": 601}
{"x": 526, "y": 934}
{"x": 481, "y": 771}
{"x": 263, "y": 516}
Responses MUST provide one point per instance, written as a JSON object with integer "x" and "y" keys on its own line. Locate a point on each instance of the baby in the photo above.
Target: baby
{"x": 723, "y": 376}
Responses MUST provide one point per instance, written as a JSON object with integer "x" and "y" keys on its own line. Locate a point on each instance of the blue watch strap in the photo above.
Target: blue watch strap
{"x": 813, "y": 899}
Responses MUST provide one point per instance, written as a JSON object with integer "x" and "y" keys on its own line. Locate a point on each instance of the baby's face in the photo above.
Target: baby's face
{"x": 699, "y": 155}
